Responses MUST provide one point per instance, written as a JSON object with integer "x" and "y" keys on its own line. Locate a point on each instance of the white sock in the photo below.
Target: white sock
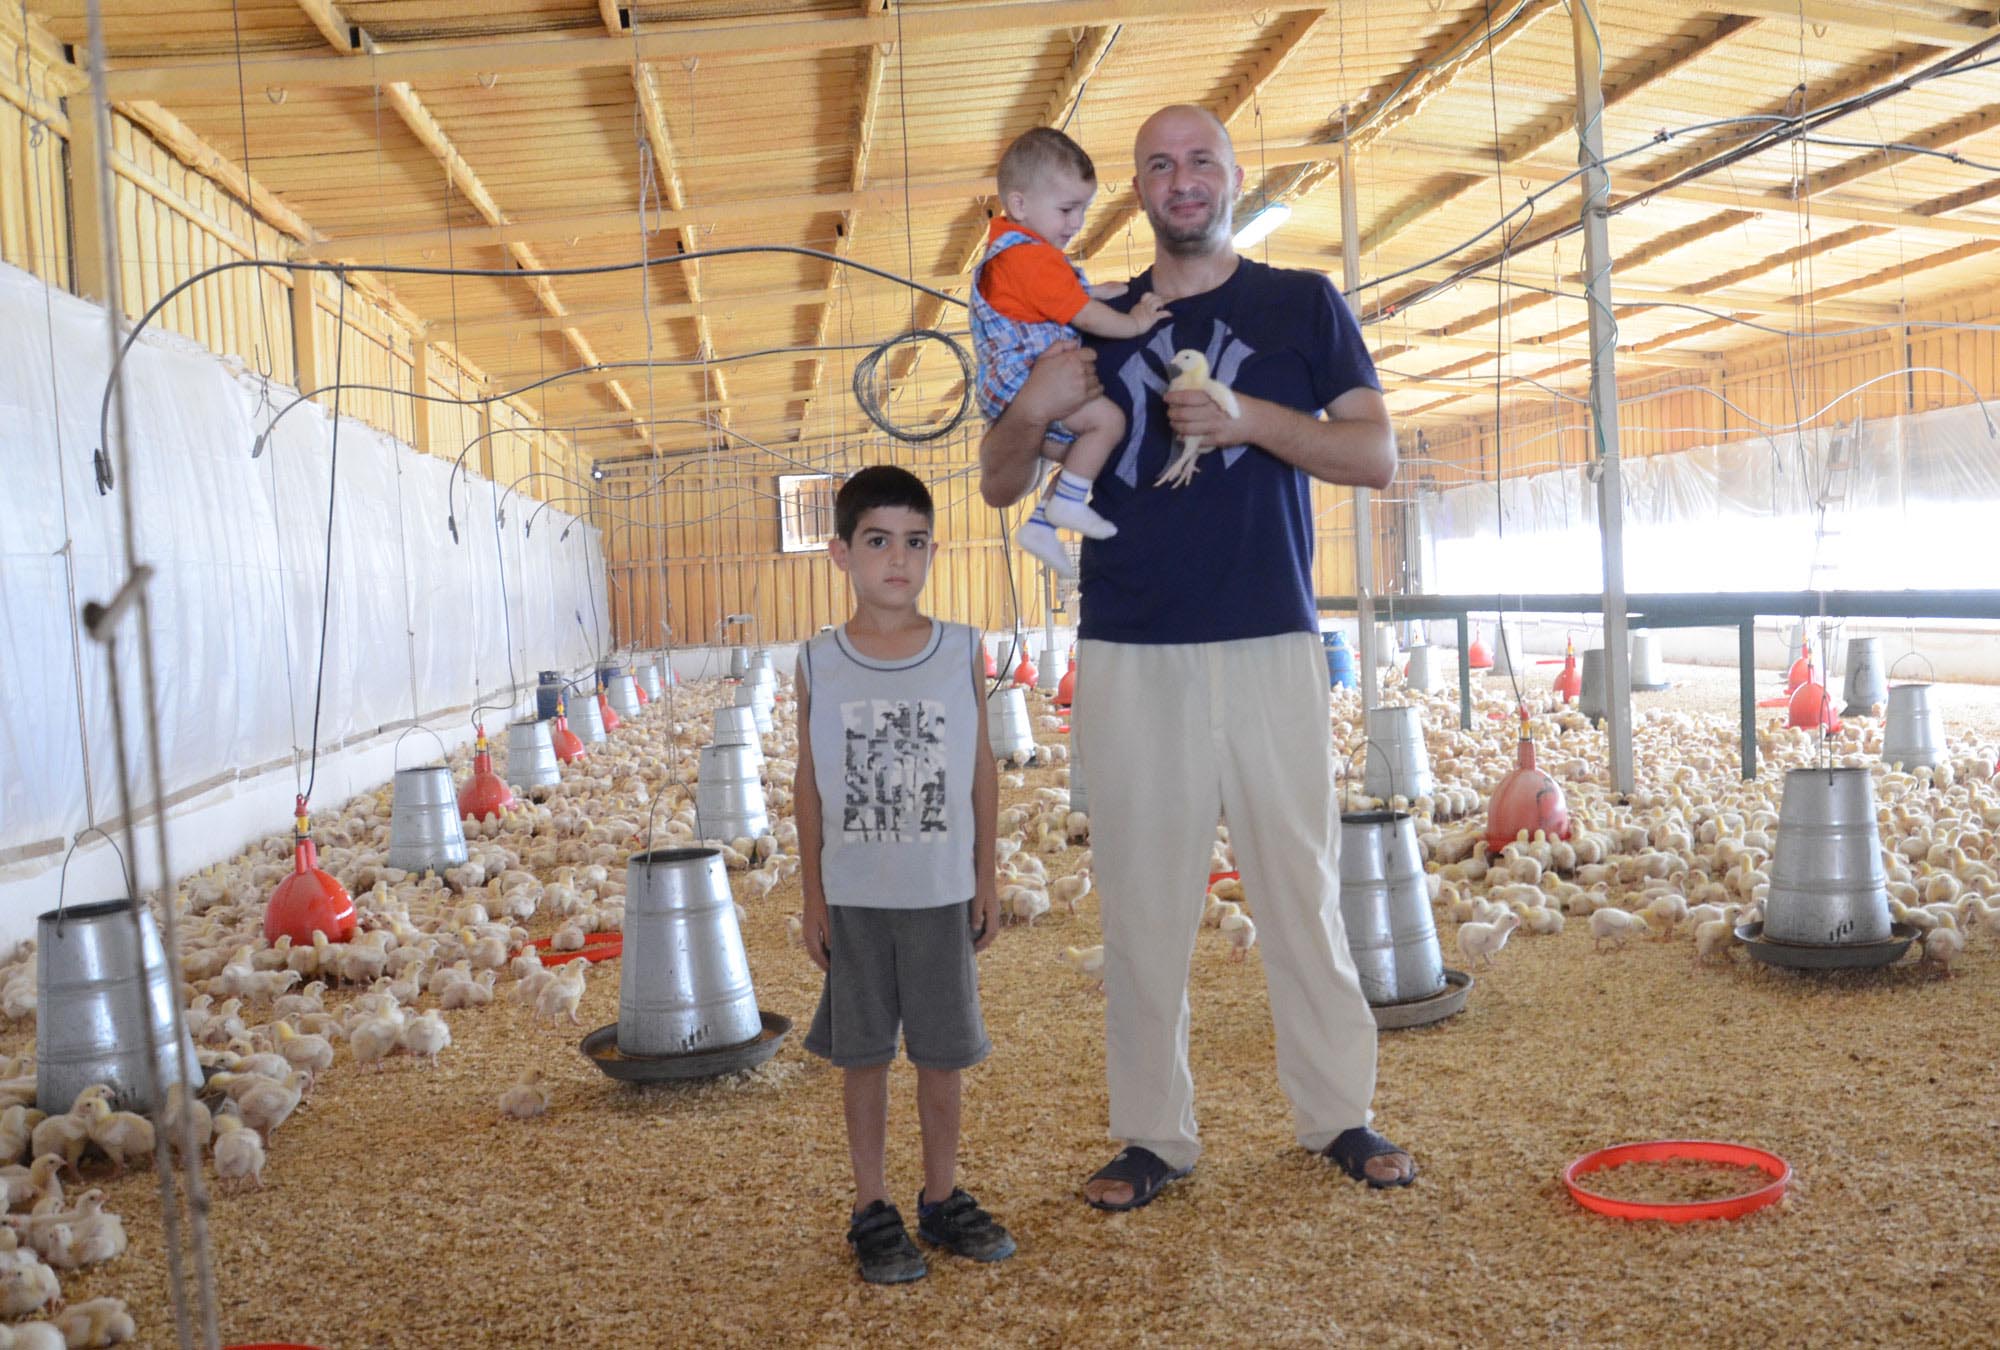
{"x": 1039, "y": 538}
{"x": 1068, "y": 507}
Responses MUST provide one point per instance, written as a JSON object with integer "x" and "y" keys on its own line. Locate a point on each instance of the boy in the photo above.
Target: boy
{"x": 900, "y": 894}
{"x": 1026, "y": 295}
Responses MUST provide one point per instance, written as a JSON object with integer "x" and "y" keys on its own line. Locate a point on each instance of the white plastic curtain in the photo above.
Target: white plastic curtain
{"x": 414, "y": 623}
{"x": 1743, "y": 517}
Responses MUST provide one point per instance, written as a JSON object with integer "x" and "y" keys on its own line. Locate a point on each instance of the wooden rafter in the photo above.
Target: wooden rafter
{"x": 872, "y": 72}
{"x": 666, "y": 171}
{"x": 1564, "y": 120}
{"x": 1401, "y": 96}
{"x": 585, "y": 50}
{"x": 1859, "y": 17}
{"x": 1284, "y": 40}
{"x": 1936, "y": 137}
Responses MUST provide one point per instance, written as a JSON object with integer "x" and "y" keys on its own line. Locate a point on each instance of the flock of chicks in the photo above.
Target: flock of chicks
{"x": 1689, "y": 855}
{"x": 271, "y": 1020}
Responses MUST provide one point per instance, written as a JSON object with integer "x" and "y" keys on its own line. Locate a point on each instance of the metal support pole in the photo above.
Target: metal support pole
{"x": 1603, "y": 386}
{"x": 1464, "y": 674}
{"x": 1746, "y": 679}
{"x": 1364, "y": 506}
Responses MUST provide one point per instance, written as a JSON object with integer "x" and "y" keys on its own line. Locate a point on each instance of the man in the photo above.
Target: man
{"x": 1201, "y": 683}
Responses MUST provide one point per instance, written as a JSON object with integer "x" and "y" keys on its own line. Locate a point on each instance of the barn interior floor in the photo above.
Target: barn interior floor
{"x": 400, "y": 1210}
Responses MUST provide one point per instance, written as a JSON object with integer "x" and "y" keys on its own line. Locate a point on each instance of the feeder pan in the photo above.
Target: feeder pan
{"x": 621, "y": 695}
{"x": 1590, "y": 697}
{"x": 596, "y": 947}
{"x": 568, "y": 745}
{"x": 1420, "y": 671}
{"x": 1424, "y": 1011}
{"x": 600, "y": 1047}
{"x": 1646, "y": 664}
{"x": 1814, "y": 956}
{"x": 309, "y": 899}
{"x": 1066, "y": 687}
{"x": 586, "y": 718}
{"x": 1864, "y": 686}
{"x": 531, "y": 755}
{"x": 1008, "y": 731}
{"x": 1680, "y": 1211}
{"x": 486, "y": 794}
{"x": 1476, "y": 656}
{"x": 1912, "y": 727}
{"x": 1385, "y": 909}
{"x": 1527, "y": 799}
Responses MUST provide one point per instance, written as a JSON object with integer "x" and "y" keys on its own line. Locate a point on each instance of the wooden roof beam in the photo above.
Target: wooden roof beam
{"x": 666, "y": 170}
{"x": 1856, "y": 17}
{"x": 872, "y": 73}
{"x": 1429, "y": 72}
{"x": 1564, "y": 122}
{"x": 452, "y": 58}
{"x": 1935, "y": 137}
{"x": 1285, "y": 39}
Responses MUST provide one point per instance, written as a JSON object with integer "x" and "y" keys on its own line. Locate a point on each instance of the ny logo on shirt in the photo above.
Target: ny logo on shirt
{"x": 1145, "y": 373}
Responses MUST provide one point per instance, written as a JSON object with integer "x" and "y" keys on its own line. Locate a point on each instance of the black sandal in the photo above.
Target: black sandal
{"x": 1351, "y": 1150}
{"x": 1145, "y": 1171}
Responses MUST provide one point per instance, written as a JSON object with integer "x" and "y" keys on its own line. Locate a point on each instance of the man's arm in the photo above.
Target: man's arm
{"x": 1063, "y": 379}
{"x": 1355, "y": 446}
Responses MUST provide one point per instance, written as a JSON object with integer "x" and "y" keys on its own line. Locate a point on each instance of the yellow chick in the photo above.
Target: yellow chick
{"x": 119, "y": 1134}
{"x": 1087, "y": 962}
{"x": 239, "y": 1153}
{"x": 98, "y": 1322}
{"x": 1192, "y": 373}
{"x": 527, "y": 1098}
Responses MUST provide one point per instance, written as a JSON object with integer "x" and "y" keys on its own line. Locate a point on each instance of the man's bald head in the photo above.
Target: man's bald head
{"x": 1187, "y": 179}
{"x": 1180, "y": 117}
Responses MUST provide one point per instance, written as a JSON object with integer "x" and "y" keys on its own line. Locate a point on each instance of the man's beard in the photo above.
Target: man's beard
{"x": 1192, "y": 240}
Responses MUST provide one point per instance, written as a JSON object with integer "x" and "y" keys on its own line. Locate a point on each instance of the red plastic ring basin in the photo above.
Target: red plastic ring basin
{"x": 596, "y": 947}
{"x": 1672, "y": 1150}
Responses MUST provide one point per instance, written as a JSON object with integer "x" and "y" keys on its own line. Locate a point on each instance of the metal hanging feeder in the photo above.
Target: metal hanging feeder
{"x": 531, "y": 755}
{"x": 686, "y": 1004}
{"x": 1913, "y": 727}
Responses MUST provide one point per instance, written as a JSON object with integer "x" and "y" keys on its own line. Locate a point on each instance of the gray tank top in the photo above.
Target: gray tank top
{"x": 893, "y": 745}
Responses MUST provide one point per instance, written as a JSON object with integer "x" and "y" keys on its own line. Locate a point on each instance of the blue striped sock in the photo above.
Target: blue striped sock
{"x": 1072, "y": 488}
{"x": 1040, "y": 516}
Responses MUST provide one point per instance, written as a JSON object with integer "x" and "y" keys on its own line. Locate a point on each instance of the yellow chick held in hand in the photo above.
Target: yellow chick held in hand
{"x": 1192, "y": 374}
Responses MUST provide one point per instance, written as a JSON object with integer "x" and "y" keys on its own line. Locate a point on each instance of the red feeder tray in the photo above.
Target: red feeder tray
{"x": 1672, "y": 1150}
{"x": 1214, "y": 877}
{"x": 596, "y": 947}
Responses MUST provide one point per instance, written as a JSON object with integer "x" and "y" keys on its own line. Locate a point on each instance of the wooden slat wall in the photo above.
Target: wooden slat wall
{"x": 1768, "y": 384}
{"x": 174, "y": 222}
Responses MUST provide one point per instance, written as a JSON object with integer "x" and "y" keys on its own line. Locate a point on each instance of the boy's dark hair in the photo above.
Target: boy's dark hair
{"x": 876, "y": 486}
{"x": 1034, "y": 153}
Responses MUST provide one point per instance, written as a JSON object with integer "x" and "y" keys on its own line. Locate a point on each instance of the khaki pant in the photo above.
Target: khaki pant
{"x": 1174, "y": 736}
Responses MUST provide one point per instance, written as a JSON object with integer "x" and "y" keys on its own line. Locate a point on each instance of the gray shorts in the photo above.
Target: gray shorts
{"x": 907, "y": 968}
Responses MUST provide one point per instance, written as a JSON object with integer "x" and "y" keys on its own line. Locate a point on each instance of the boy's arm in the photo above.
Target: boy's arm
{"x": 1100, "y": 320}
{"x": 806, "y": 816}
{"x": 985, "y": 916}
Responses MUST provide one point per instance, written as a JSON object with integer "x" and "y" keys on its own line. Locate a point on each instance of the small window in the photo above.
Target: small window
{"x": 805, "y": 510}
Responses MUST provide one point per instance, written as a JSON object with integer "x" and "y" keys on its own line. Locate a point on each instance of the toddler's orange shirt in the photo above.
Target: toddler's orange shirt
{"x": 1030, "y": 283}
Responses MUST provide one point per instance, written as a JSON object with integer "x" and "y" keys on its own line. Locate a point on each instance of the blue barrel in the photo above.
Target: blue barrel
{"x": 1339, "y": 662}
{"x": 547, "y": 693}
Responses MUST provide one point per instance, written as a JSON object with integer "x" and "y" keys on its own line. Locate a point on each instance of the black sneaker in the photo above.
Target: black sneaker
{"x": 960, "y": 1226}
{"x": 883, "y": 1247}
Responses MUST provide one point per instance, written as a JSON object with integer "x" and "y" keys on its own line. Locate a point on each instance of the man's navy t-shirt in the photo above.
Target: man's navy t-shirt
{"x": 1229, "y": 555}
